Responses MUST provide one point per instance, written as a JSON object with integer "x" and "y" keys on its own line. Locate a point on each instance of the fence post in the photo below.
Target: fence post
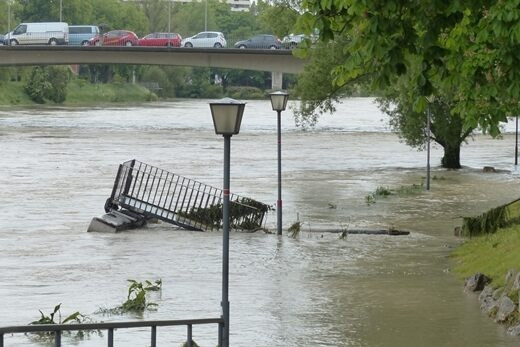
{"x": 190, "y": 344}
{"x": 154, "y": 336}
{"x": 57, "y": 338}
{"x": 110, "y": 337}
{"x": 1, "y": 340}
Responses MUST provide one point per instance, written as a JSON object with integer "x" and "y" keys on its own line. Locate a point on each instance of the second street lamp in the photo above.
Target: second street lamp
{"x": 279, "y": 103}
{"x": 227, "y": 117}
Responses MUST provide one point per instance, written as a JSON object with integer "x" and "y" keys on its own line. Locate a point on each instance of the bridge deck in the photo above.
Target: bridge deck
{"x": 270, "y": 60}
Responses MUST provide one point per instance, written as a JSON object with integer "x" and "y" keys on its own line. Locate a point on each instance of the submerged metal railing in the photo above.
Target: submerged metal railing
{"x": 57, "y": 329}
{"x": 155, "y": 192}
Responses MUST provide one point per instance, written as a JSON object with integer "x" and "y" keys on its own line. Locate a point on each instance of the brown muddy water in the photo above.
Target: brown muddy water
{"x": 58, "y": 166}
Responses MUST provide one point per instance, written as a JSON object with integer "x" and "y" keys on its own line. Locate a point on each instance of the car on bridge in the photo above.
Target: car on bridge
{"x": 115, "y": 38}
{"x": 205, "y": 39}
{"x": 80, "y": 35}
{"x": 161, "y": 40}
{"x": 260, "y": 42}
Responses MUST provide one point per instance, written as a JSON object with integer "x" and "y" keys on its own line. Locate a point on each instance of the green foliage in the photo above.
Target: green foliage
{"x": 193, "y": 344}
{"x": 279, "y": 17}
{"x": 74, "y": 318}
{"x": 245, "y": 93}
{"x": 48, "y": 83}
{"x": 38, "y": 85}
{"x": 244, "y": 214}
{"x": 136, "y": 301}
{"x": 492, "y": 254}
{"x": 490, "y": 221}
{"x": 58, "y": 77}
{"x": 316, "y": 86}
{"x": 463, "y": 52}
{"x": 383, "y": 192}
{"x": 294, "y": 229}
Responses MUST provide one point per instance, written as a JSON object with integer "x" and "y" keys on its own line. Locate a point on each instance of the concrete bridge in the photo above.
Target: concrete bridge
{"x": 275, "y": 61}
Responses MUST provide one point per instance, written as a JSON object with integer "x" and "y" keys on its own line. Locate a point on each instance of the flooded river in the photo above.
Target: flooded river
{"x": 58, "y": 166}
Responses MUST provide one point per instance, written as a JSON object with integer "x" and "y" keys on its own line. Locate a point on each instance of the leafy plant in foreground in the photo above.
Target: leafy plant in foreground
{"x": 136, "y": 301}
{"x": 74, "y": 318}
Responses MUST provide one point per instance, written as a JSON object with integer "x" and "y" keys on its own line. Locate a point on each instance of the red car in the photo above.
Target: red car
{"x": 115, "y": 38}
{"x": 161, "y": 39}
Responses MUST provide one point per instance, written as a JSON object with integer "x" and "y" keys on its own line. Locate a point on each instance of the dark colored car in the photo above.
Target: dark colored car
{"x": 2, "y": 38}
{"x": 161, "y": 39}
{"x": 115, "y": 38}
{"x": 260, "y": 41}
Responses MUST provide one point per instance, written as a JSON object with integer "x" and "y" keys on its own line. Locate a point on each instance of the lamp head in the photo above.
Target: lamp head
{"x": 279, "y": 100}
{"x": 227, "y": 116}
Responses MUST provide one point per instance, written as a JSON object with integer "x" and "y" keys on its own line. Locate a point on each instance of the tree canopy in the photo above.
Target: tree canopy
{"x": 470, "y": 45}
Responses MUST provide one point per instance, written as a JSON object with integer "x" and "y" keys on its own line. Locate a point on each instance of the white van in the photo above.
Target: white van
{"x": 50, "y": 33}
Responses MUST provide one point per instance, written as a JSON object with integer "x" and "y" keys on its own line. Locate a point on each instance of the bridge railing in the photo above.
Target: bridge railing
{"x": 58, "y": 329}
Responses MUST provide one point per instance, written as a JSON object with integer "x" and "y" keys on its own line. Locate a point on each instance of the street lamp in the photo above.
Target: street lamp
{"x": 227, "y": 116}
{"x": 61, "y": 10}
{"x": 430, "y": 99}
{"x": 279, "y": 102}
{"x": 516, "y": 143}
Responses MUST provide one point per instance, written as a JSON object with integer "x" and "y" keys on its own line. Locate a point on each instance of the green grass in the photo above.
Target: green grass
{"x": 80, "y": 92}
{"x": 490, "y": 254}
{"x": 12, "y": 93}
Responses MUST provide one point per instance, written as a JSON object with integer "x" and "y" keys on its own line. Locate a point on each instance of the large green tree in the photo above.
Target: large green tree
{"x": 468, "y": 44}
{"x": 461, "y": 54}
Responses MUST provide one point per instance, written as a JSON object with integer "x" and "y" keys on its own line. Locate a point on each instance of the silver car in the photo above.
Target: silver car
{"x": 205, "y": 39}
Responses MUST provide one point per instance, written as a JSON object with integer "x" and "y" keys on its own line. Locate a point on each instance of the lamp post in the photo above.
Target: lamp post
{"x": 206, "y": 16}
{"x": 9, "y": 22}
{"x": 169, "y": 16}
{"x": 516, "y": 143}
{"x": 279, "y": 102}
{"x": 227, "y": 117}
{"x": 61, "y": 10}
{"x": 428, "y": 133}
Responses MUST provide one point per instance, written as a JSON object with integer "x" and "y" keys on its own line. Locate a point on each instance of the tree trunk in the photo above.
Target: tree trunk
{"x": 451, "y": 158}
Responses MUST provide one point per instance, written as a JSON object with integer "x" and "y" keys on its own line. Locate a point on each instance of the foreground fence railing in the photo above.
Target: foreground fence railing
{"x": 57, "y": 329}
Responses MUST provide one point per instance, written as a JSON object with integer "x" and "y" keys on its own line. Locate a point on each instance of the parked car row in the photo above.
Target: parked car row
{"x": 60, "y": 33}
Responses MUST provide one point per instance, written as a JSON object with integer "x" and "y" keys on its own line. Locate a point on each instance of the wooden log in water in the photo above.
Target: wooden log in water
{"x": 392, "y": 232}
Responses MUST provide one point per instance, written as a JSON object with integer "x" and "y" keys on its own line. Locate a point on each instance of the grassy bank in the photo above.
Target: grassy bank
{"x": 80, "y": 92}
{"x": 490, "y": 254}
{"x": 12, "y": 93}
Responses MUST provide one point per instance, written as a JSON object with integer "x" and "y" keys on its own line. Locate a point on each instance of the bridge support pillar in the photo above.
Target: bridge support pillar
{"x": 276, "y": 80}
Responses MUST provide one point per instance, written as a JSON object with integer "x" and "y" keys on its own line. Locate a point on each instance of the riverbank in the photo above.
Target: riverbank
{"x": 81, "y": 93}
{"x": 496, "y": 257}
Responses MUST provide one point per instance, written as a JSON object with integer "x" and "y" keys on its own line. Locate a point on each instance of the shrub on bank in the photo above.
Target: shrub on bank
{"x": 246, "y": 93}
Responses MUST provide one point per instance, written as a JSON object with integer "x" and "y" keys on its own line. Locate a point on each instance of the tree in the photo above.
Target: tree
{"x": 279, "y": 17}
{"x": 48, "y": 83}
{"x": 461, "y": 53}
{"x": 468, "y": 44}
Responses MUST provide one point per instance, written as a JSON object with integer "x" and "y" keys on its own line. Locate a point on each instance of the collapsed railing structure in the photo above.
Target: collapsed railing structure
{"x": 143, "y": 191}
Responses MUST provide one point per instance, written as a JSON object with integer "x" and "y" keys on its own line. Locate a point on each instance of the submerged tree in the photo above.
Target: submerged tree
{"x": 463, "y": 54}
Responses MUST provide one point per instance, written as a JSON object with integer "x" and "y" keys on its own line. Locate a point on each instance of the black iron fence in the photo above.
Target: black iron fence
{"x": 57, "y": 329}
{"x": 157, "y": 193}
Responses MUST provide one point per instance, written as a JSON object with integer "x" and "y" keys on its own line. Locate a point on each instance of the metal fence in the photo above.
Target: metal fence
{"x": 57, "y": 329}
{"x": 157, "y": 193}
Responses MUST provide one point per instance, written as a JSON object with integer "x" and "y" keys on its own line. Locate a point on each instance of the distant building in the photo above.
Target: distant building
{"x": 236, "y": 5}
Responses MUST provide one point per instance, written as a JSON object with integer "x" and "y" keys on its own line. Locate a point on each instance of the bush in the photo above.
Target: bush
{"x": 48, "y": 83}
{"x": 37, "y": 85}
